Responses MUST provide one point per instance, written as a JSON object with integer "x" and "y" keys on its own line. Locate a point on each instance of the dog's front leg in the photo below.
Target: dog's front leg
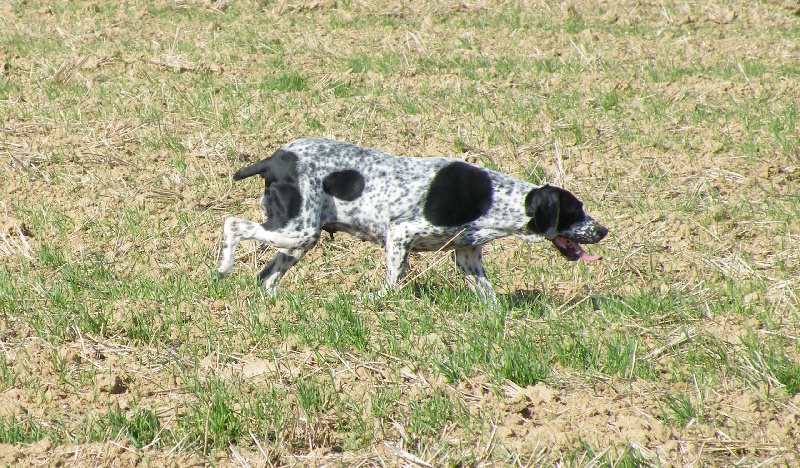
{"x": 399, "y": 239}
{"x": 470, "y": 262}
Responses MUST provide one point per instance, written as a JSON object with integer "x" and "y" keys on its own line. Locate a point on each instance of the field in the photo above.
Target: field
{"x": 676, "y": 122}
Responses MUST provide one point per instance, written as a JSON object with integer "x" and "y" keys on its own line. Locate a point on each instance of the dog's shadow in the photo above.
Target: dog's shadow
{"x": 530, "y": 299}
{"x": 521, "y": 299}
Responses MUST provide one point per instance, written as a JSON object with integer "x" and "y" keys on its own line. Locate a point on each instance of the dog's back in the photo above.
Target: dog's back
{"x": 393, "y": 187}
{"x": 367, "y": 189}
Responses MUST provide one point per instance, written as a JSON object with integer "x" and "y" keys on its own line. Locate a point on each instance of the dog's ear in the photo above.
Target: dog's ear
{"x": 543, "y": 206}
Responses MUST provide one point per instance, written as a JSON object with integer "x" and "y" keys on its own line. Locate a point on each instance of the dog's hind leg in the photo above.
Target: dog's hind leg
{"x": 470, "y": 262}
{"x": 275, "y": 269}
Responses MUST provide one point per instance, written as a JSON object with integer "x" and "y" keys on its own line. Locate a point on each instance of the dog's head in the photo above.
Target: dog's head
{"x": 558, "y": 215}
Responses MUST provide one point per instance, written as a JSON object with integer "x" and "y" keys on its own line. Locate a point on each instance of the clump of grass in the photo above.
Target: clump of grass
{"x": 13, "y": 431}
{"x": 285, "y": 82}
{"x": 609, "y": 100}
{"x": 628, "y": 457}
{"x": 681, "y": 409}
{"x": 142, "y": 428}
{"x": 215, "y": 419}
{"x": 767, "y": 363}
{"x": 522, "y": 362}
{"x": 344, "y": 326}
{"x": 315, "y": 396}
{"x": 430, "y": 413}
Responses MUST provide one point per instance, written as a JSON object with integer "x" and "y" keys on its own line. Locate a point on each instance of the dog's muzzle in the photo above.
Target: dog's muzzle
{"x": 569, "y": 243}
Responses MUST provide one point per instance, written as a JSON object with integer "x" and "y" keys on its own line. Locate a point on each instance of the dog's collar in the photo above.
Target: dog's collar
{"x": 550, "y": 234}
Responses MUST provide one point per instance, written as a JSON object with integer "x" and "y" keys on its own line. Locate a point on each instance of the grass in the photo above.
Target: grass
{"x": 142, "y": 428}
{"x": 681, "y": 409}
{"x": 285, "y": 82}
{"x": 19, "y": 432}
{"x": 675, "y": 123}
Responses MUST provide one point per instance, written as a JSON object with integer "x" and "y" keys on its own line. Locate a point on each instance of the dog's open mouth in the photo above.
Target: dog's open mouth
{"x": 573, "y": 250}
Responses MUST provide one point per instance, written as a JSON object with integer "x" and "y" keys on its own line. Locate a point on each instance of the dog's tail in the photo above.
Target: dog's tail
{"x": 251, "y": 170}
{"x": 282, "y": 165}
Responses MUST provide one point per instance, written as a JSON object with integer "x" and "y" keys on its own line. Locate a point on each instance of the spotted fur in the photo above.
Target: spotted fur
{"x": 405, "y": 204}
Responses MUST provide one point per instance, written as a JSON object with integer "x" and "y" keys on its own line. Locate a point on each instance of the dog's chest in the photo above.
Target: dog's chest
{"x": 454, "y": 238}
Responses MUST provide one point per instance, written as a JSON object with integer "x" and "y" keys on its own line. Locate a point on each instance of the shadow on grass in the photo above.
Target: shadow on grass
{"x": 529, "y": 299}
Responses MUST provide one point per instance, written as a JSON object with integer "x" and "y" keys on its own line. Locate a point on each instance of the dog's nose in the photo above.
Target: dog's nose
{"x": 601, "y": 231}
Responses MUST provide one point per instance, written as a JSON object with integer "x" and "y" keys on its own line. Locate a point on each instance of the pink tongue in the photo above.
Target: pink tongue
{"x": 590, "y": 258}
{"x": 579, "y": 250}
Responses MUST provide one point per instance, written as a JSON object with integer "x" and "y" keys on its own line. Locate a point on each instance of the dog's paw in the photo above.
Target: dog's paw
{"x": 221, "y": 273}
{"x": 270, "y": 292}
{"x": 372, "y": 296}
{"x": 215, "y": 277}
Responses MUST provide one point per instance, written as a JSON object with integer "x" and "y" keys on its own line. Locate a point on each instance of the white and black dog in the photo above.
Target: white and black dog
{"x": 405, "y": 204}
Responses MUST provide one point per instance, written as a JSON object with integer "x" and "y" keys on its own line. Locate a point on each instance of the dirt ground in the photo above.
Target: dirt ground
{"x": 110, "y": 155}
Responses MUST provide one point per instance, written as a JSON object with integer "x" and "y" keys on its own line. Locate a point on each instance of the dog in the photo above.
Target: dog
{"x": 405, "y": 204}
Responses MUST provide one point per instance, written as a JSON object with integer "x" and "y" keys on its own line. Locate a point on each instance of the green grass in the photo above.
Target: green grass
{"x": 285, "y": 82}
{"x": 681, "y": 409}
{"x": 429, "y": 414}
{"x": 769, "y": 362}
{"x": 627, "y": 457}
{"x": 142, "y": 428}
{"x": 213, "y": 421}
{"x": 25, "y": 431}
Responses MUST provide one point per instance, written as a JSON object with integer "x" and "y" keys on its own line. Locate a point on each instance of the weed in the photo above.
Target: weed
{"x": 681, "y": 409}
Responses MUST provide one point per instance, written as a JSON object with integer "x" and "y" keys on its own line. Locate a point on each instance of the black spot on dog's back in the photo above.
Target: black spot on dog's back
{"x": 459, "y": 193}
{"x": 345, "y": 185}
